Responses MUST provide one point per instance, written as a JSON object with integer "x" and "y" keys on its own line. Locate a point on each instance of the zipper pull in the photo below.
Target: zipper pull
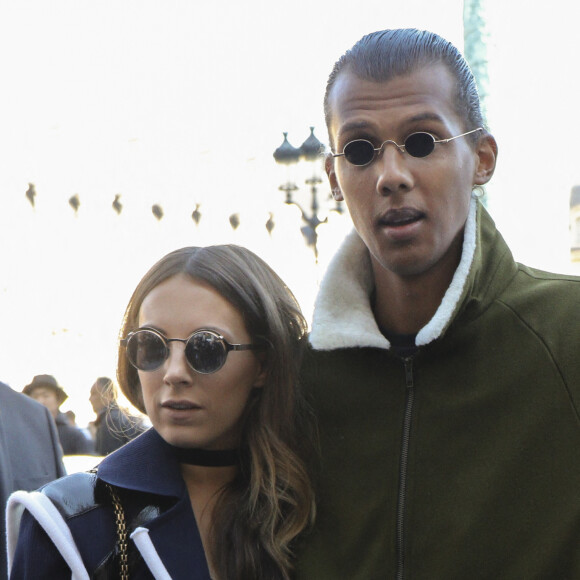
{"x": 409, "y": 372}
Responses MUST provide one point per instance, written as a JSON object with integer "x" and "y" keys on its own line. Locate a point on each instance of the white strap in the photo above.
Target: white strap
{"x": 145, "y": 546}
{"x": 40, "y": 506}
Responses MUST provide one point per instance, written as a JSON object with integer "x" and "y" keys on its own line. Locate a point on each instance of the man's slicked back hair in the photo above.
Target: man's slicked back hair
{"x": 386, "y": 54}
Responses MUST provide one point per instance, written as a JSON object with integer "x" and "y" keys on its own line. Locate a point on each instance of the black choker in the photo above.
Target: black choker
{"x": 207, "y": 458}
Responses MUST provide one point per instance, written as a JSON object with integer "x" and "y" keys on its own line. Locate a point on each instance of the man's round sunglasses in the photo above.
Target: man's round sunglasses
{"x": 361, "y": 152}
{"x": 206, "y": 351}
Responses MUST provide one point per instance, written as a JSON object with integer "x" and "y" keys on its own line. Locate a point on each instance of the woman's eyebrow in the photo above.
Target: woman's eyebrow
{"x": 151, "y": 327}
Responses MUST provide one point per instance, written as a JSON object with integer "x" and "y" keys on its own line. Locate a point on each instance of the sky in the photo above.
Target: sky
{"x": 180, "y": 103}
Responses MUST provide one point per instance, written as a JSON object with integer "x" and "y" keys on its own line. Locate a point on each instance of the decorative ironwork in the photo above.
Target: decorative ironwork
{"x": 312, "y": 151}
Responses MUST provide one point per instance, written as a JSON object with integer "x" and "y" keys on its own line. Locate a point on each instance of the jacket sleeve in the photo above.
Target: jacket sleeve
{"x": 54, "y": 443}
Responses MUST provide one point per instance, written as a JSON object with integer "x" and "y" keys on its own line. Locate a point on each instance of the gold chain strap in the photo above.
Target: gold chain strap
{"x": 121, "y": 533}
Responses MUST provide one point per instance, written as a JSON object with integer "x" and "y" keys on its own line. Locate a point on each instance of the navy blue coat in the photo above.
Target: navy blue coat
{"x": 148, "y": 478}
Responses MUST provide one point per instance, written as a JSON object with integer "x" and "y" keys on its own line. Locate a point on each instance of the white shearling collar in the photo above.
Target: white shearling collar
{"x": 343, "y": 317}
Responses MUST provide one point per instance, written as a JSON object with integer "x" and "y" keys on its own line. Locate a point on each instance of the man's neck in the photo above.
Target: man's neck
{"x": 405, "y": 304}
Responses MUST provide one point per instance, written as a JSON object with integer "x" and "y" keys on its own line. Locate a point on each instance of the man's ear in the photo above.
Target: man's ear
{"x": 486, "y": 151}
{"x": 335, "y": 188}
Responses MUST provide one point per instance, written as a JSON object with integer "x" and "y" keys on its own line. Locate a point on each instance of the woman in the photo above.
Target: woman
{"x": 219, "y": 487}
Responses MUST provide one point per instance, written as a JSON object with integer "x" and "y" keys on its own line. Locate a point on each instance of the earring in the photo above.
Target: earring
{"x": 477, "y": 192}
{"x": 336, "y": 193}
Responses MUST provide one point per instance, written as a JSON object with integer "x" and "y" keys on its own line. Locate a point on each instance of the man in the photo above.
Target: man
{"x": 30, "y": 453}
{"x": 446, "y": 377}
{"x": 46, "y": 390}
{"x": 112, "y": 428}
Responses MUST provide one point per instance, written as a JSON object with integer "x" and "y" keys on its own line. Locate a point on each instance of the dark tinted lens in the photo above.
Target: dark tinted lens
{"x": 419, "y": 144}
{"x": 359, "y": 152}
{"x": 206, "y": 352}
{"x": 146, "y": 350}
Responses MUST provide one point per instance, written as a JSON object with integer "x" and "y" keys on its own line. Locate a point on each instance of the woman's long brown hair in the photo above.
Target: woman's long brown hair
{"x": 271, "y": 501}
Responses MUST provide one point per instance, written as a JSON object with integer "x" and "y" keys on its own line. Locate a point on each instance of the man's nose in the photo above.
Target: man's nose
{"x": 392, "y": 166}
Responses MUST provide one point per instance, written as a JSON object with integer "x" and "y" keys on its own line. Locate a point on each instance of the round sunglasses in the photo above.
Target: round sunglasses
{"x": 361, "y": 152}
{"x": 206, "y": 351}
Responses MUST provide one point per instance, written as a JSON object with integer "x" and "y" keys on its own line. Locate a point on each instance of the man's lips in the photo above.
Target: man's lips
{"x": 401, "y": 217}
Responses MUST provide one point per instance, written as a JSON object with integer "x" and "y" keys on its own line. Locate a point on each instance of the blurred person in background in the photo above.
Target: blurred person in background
{"x": 72, "y": 419}
{"x": 46, "y": 390}
{"x": 113, "y": 426}
{"x": 30, "y": 452}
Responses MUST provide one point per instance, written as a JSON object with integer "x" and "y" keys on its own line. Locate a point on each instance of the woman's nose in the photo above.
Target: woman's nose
{"x": 177, "y": 369}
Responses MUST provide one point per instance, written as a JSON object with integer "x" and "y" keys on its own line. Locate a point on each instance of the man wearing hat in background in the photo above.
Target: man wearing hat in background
{"x": 30, "y": 454}
{"x": 46, "y": 390}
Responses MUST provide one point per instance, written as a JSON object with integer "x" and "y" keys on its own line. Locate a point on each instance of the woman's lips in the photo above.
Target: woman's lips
{"x": 180, "y": 405}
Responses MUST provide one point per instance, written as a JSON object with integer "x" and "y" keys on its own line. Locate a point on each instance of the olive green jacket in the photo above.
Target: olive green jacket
{"x": 462, "y": 462}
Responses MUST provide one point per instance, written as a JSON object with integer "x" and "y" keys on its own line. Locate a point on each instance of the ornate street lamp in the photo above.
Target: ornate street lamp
{"x": 310, "y": 151}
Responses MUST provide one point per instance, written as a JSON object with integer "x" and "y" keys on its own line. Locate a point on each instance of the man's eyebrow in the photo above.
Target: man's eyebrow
{"x": 354, "y": 126}
{"x": 427, "y": 116}
{"x": 358, "y": 125}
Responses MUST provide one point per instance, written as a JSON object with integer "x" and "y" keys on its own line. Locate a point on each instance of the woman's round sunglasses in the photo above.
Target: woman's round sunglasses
{"x": 361, "y": 152}
{"x": 206, "y": 351}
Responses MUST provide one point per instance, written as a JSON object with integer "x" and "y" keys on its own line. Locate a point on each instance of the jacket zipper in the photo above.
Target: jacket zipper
{"x": 409, "y": 399}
